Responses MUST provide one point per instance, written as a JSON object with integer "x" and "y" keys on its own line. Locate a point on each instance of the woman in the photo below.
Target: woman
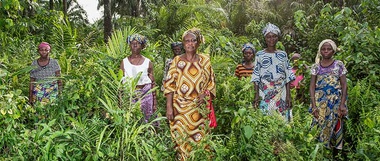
{"x": 135, "y": 64}
{"x": 272, "y": 76}
{"x": 328, "y": 95}
{"x": 246, "y": 68}
{"x": 177, "y": 50}
{"x": 189, "y": 78}
{"x": 44, "y": 86}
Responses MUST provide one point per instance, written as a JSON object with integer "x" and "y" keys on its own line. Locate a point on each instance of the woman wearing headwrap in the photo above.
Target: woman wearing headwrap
{"x": 44, "y": 85}
{"x": 328, "y": 95}
{"x": 177, "y": 50}
{"x": 245, "y": 69}
{"x": 272, "y": 75}
{"x": 135, "y": 64}
{"x": 188, "y": 81}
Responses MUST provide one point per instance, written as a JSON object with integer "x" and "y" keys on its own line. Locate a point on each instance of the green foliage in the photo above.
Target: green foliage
{"x": 95, "y": 117}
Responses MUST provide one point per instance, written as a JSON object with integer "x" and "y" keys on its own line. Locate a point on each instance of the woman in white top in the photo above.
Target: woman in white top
{"x": 135, "y": 64}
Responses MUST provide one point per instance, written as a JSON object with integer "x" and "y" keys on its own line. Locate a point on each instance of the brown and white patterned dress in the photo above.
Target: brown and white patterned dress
{"x": 188, "y": 80}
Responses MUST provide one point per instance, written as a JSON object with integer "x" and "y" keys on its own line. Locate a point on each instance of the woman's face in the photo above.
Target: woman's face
{"x": 177, "y": 50}
{"x": 327, "y": 51}
{"x": 271, "y": 39}
{"x": 190, "y": 43}
{"x": 248, "y": 54}
{"x": 44, "y": 52}
{"x": 136, "y": 46}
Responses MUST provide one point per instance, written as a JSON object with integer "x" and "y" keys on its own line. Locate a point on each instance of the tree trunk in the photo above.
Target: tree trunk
{"x": 65, "y": 8}
{"x": 51, "y": 4}
{"x": 107, "y": 20}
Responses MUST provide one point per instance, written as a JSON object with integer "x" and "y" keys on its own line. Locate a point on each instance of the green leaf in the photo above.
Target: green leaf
{"x": 248, "y": 131}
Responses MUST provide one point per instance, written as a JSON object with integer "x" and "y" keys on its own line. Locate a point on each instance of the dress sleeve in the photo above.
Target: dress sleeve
{"x": 314, "y": 69}
{"x": 342, "y": 69}
{"x": 288, "y": 70}
{"x": 56, "y": 66}
{"x": 32, "y": 72}
{"x": 256, "y": 70}
{"x": 211, "y": 83}
{"x": 170, "y": 83}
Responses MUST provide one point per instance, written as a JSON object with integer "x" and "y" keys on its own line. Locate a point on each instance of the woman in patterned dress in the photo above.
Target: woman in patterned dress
{"x": 177, "y": 50}
{"x": 189, "y": 78}
{"x": 44, "y": 85}
{"x": 272, "y": 75}
{"x": 328, "y": 93}
{"x": 135, "y": 64}
{"x": 245, "y": 69}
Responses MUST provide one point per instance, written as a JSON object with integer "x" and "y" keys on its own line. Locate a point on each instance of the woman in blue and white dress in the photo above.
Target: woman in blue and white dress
{"x": 272, "y": 76}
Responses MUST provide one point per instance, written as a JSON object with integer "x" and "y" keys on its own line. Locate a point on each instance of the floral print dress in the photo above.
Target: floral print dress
{"x": 327, "y": 97}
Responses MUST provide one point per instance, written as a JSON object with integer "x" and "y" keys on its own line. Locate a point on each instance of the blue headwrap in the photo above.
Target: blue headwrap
{"x": 174, "y": 44}
{"x": 139, "y": 38}
{"x": 248, "y": 46}
{"x": 271, "y": 28}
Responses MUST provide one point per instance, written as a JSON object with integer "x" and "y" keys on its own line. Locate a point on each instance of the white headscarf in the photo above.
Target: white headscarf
{"x": 319, "y": 55}
{"x": 271, "y": 28}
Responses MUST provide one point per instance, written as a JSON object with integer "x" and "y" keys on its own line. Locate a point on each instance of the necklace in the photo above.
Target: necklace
{"x": 133, "y": 60}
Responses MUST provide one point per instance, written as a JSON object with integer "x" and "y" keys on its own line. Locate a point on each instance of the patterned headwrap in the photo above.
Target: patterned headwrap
{"x": 271, "y": 28}
{"x": 44, "y": 44}
{"x": 319, "y": 55}
{"x": 197, "y": 33}
{"x": 248, "y": 46}
{"x": 175, "y": 44}
{"x": 139, "y": 38}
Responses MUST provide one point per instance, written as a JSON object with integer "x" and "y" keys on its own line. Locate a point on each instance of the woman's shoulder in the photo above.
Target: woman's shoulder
{"x": 338, "y": 62}
{"x": 53, "y": 60}
{"x": 204, "y": 58}
{"x": 34, "y": 62}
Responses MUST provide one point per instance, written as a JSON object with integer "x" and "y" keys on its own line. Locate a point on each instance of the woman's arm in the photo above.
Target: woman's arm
{"x": 312, "y": 95}
{"x": 60, "y": 84}
{"x": 31, "y": 86}
{"x": 150, "y": 74}
{"x": 288, "y": 95}
{"x": 122, "y": 66}
{"x": 169, "y": 106}
{"x": 343, "y": 84}
{"x": 256, "y": 100}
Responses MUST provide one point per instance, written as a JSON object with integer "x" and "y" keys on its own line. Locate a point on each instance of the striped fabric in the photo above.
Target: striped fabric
{"x": 242, "y": 71}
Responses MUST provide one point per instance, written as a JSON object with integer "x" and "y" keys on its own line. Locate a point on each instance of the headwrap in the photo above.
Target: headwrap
{"x": 319, "y": 55}
{"x": 295, "y": 56}
{"x": 44, "y": 44}
{"x": 174, "y": 44}
{"x": 271, "y": 28}
{"x": 248, "y": 46}
{"x": 197, "y": 33}
{"x": 139, "y": 38}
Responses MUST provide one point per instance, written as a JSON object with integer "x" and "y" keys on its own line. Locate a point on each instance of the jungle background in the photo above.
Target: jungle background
{"x": 88, "y": 122}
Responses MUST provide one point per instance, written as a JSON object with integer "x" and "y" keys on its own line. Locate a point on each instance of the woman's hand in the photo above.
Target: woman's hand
{"x": 315, "y": 112}
{"x": 201, "y": 99}
{"x": 289, "y": 103}
{"x": 256, "y": 103}
{"x": 342, "y": 111}
{"x": 169, "y": 112}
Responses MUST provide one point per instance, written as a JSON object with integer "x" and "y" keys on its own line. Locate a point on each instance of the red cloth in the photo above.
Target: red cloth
{"x": 211, "y": 115}
{"x": 295, "y": 83}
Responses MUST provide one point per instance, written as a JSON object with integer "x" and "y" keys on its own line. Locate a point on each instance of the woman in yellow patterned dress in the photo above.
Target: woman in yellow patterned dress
{"x": 189, "y": 78}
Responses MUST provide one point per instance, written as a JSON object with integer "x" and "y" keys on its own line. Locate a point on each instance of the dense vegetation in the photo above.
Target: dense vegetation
{"x": 89, "y": 123}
